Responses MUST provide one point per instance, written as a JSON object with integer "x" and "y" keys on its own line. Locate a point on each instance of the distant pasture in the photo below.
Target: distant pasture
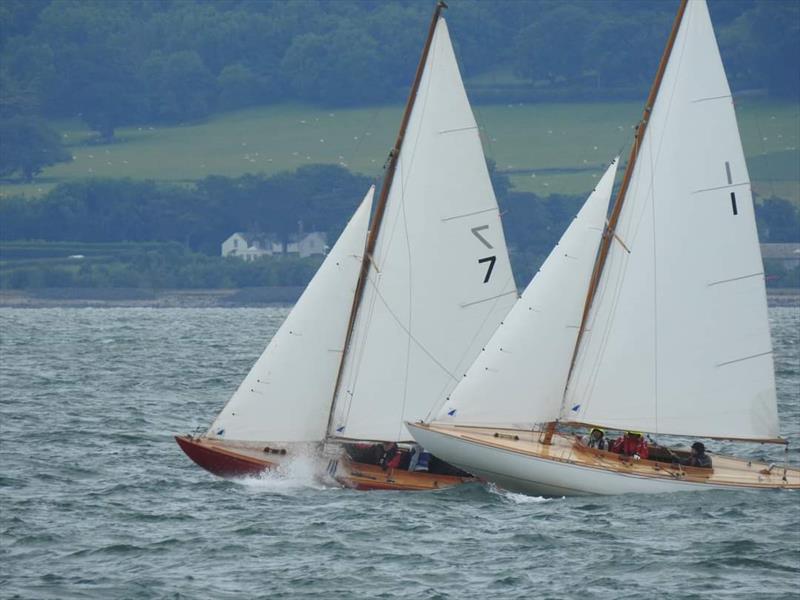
{"x": 544, "y": 148}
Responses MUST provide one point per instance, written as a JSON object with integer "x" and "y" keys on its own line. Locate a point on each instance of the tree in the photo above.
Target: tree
{"x": 553, "y": 46}
{"x": 27, "y": 145}
{"x": 337, "y": 68}
{"x": 778, "y": 221}
{"x": 91, "y": 69}
{"x": 181, "y": 86}
{"x": 771, "y": 36}
{"x": 238, "y": 87}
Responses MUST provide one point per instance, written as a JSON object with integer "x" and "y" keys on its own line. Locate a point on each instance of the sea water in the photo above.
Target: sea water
{"x": 98, "y": 501}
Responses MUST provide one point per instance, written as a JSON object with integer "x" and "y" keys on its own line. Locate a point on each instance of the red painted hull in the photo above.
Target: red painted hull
{"x": 222, "y": 462}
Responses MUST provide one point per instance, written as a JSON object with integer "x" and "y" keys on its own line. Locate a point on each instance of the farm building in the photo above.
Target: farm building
{"x": 250, "y": 246}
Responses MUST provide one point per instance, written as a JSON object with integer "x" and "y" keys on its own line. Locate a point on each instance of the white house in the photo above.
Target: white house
{"x": 307, "y": 244}
{"x": 249, "y": 246}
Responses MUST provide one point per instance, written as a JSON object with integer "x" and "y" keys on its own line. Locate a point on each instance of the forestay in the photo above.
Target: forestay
{"x": 519, "y": 378}
{"x": 287, "y": 394}
{"x": 678, "y": 339}
{"x": 440, "y": 279}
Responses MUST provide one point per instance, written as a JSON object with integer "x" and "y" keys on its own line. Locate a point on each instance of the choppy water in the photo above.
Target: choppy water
{"x": 97, "y": 500}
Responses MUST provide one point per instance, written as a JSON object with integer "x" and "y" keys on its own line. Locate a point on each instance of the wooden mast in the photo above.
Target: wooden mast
{"x": 610, "y": 230}
{"x": 380, "y": 208}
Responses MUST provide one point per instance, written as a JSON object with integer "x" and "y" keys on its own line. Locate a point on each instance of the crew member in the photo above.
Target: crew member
{"x": 631, "y": 444}
{"x": 698, "y": 458}
{"x": 391, "y": 456}
{"x": 597, "y": 439}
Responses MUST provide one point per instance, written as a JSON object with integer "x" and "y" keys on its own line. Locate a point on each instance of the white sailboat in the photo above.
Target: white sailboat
{"x": 674, "y": 337}
{"x": 280, "y": 404}
{"x": 431, "y": 284}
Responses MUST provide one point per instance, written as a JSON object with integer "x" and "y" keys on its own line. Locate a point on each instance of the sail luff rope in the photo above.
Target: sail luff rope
{"x": 381, "y": 207}
{"x": 404, "y": 176}
{"x": 632, "y": 235}
{"x": 608, "y": 234}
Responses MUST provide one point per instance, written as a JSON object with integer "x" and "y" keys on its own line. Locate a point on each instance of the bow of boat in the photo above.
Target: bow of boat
{"x": 226, "y": 459}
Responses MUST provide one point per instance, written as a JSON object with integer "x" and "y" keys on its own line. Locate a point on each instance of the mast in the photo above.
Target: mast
{"x": 610, "y": 232}
{"x": 380, "y": 208}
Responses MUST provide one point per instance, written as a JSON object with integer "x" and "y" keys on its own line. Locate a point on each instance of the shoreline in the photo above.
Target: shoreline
{"x": 209, "y": 298}
{"x": 144, "y": 298}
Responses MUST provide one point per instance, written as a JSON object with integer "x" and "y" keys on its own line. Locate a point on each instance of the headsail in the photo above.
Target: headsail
{"x": 523, "y": 368}
{"x": 286, "y": 396}
{"x": 678, "y": 339}
{"x": 440, "y": 279}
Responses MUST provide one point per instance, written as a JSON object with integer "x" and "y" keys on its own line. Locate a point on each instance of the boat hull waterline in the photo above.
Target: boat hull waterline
{"x": 519, "y": 462}
{"x": 251, "y": 460}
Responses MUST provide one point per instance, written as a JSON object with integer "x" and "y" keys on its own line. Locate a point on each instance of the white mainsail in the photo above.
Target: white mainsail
{"x": 286, "y": 397}
{"x": 440, "y": 279}
{"x": 678, "y": 339}
{"x": 519, "y": 378}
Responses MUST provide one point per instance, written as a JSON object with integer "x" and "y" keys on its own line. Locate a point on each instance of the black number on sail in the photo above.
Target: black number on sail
{"x": 491, "y": 260}
{"x": 476, "y": 231}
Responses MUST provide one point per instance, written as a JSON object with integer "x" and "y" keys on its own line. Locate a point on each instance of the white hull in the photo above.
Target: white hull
{"x": 556, "y": 475}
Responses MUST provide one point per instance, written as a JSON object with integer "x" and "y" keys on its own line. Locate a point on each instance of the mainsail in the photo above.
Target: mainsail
{"x": 286, "y": 397}
{"x": 678, "y": 340}
{"x": 440, "y": 280}
{"x": 519, "y": 378}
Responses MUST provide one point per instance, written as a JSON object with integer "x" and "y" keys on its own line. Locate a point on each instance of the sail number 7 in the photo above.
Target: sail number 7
{"x": 491, "y": 260}
{"x": 476, "y": 231}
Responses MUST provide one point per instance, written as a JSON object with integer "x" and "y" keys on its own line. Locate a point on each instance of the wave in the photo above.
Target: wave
{"x": 301, "y": 472}
{"x": 515, "y": 498}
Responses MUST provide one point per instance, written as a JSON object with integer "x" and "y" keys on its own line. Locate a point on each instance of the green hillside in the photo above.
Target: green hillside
{"x": 545, "y": 148}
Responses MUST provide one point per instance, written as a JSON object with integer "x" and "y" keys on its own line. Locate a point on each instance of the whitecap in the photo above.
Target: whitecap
{"x": 516, "y": 498}
{"x": 300, "y": 472}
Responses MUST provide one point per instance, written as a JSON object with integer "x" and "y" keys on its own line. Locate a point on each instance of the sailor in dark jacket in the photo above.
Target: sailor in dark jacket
{"x": 699, "y": 458}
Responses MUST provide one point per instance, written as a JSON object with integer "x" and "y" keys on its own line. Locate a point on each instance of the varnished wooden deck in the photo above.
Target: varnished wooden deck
{"x": 362, "y": 476}
{"x": 726, "y": 471}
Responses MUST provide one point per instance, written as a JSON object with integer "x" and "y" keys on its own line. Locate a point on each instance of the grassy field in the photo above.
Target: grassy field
{"x": 545, "y": 148}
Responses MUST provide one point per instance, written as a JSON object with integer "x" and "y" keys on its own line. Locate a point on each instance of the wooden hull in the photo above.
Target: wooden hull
{"x": 517, "y": 461}
{"x": 224, "y": 460}
{"x": 231, "y": 460}
{"x": 361, "y": 476}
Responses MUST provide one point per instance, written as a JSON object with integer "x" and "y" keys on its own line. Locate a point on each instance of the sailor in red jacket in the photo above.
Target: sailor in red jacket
{"x": 391, "y": 456}
{"x": 631, "y": 444}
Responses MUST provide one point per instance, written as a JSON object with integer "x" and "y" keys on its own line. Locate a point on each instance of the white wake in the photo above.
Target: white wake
{"x": 516, "y": 498}
{"x": 300, "y": 471}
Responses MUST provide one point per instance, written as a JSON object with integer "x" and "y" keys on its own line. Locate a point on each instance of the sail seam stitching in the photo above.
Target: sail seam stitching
{"x": 477, "y": 212}
{"x": 712, "y": 98}
{"x": 410, "y": 299}
{"x": 653, "y": 159}
{"x": 736, "y": 278}
{"x": 468, "y": 304}
{"x": 736, "y": 360}
{"x": 721, "y": 187}
{"x": 457, "y": 129}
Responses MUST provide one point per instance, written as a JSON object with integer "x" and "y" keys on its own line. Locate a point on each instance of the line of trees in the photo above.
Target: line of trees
{"x": 200, "y": 216}
{"x": 178, "y": 268}
{"x": 197, "y": 218}
{"x": 129, "y": 61}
